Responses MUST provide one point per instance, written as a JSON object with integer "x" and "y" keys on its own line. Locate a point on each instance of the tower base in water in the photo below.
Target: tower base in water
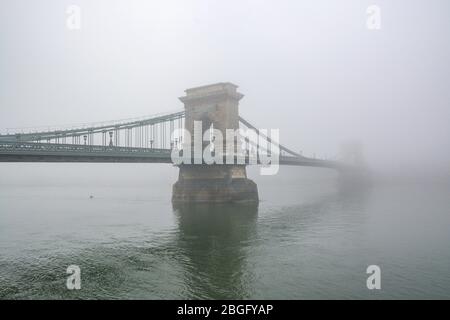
{"x": 214, "y": 106}
{"x": 214, "y": 183}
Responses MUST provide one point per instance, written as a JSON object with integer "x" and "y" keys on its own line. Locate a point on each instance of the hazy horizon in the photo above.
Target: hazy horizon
{"x": 313, "y": 70}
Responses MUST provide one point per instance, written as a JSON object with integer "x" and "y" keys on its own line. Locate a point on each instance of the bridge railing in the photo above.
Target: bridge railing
{"x": 6, "y": 146}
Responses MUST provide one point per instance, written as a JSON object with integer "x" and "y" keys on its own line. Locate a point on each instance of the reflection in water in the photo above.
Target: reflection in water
{"x": 224, "y": 248}
{"x": 354, "y": 182}
{"x": 308, "y": 239}
{"x": 213, "y": 251}
{"x": 214, "y": 238}
{"x": 353, "y": 191}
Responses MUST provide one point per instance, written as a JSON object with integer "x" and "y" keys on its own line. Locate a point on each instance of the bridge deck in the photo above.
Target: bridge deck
{"x": 50, "y": 152}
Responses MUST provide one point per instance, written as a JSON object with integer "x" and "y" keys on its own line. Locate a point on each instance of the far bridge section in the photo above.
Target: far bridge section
{"x": 146, "y": 140}
{"x": 147, "y": 132}
{"x": 152, "y": 139}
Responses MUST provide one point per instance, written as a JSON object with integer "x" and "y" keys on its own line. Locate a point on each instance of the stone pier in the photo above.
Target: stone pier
{"x": 216, "y": 105}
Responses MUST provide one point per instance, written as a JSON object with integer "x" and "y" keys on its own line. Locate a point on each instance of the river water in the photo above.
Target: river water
{"x": 309, "y": 238}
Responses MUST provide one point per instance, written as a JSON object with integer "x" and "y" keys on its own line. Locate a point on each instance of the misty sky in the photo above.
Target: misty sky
{"x": 312, "y": 69}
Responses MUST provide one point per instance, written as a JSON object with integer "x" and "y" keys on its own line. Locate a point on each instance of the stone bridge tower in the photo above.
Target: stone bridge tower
{"x": 216, "y": 105}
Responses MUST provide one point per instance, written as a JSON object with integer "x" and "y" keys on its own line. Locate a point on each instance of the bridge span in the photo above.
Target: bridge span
{"x": 13, "y": 151}
{"x": 152, "y": 139}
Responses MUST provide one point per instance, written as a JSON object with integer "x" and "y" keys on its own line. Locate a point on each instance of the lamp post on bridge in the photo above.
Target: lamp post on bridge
{"x": 111, "y": 139}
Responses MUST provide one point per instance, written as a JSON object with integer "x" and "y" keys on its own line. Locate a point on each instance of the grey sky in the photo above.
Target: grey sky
{"x": 312, "y": 68}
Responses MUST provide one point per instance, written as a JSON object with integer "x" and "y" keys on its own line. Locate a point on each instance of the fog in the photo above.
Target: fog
{"x": 312, "y": 69}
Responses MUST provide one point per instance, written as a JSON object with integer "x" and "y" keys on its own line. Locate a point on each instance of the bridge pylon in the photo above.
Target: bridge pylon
{"x": 216, "y": 106}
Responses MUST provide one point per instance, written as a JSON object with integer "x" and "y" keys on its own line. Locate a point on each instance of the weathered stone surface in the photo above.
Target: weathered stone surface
{"x": 216, "y": 104}
{"x": 198, "y": 183}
